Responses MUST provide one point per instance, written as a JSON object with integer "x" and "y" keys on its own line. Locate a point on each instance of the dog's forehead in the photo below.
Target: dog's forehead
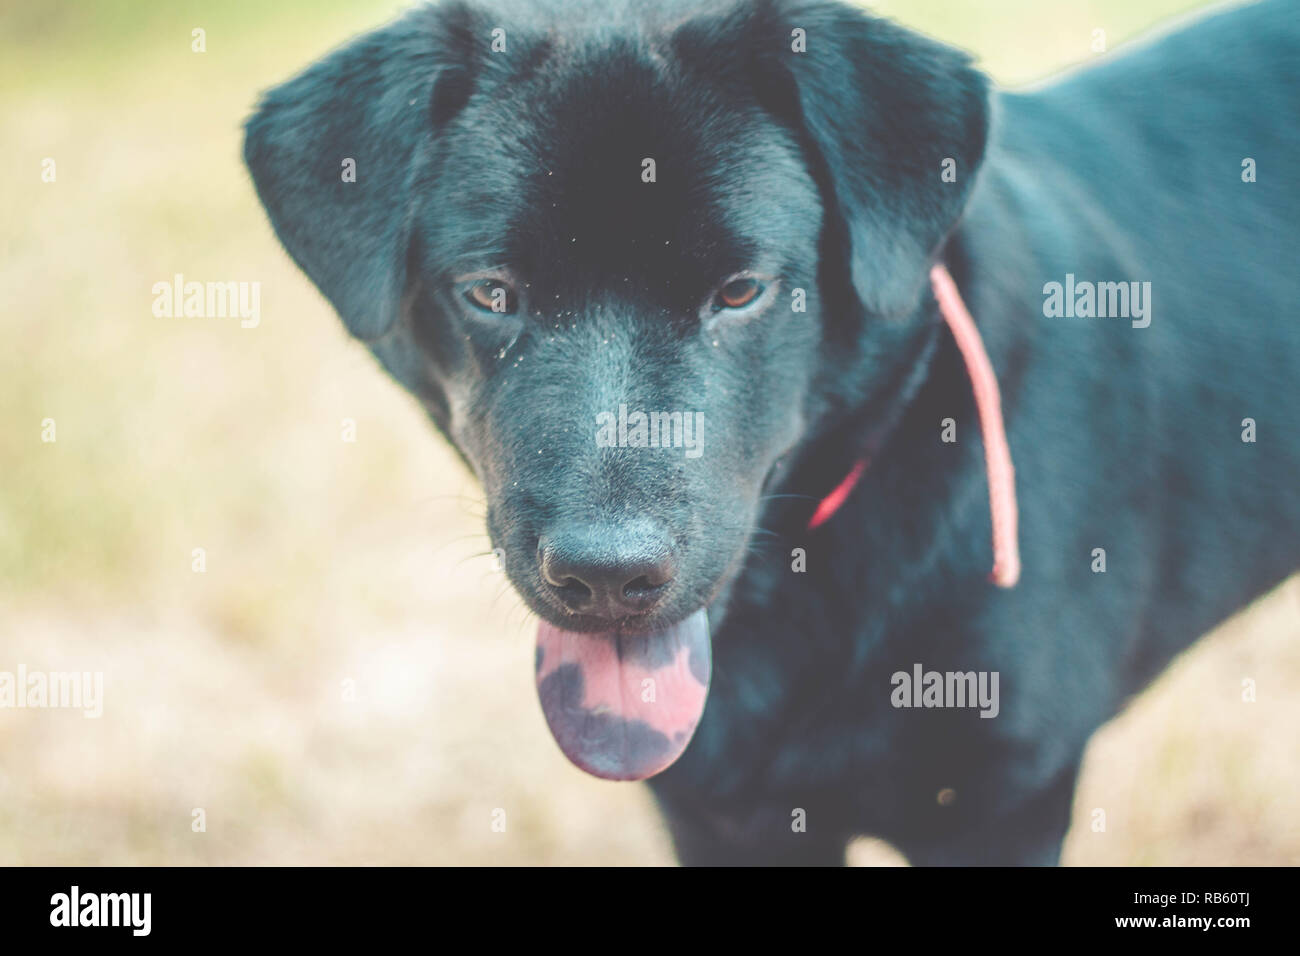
{"x": 627, "y": 162}
{"x": 612, "y": 155}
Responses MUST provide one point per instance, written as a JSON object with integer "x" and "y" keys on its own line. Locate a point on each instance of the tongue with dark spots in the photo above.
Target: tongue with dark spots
{"x": 624, "y": 706}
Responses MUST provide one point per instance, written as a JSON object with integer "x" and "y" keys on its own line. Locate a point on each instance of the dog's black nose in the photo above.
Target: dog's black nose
{"x": 607, "y": 570}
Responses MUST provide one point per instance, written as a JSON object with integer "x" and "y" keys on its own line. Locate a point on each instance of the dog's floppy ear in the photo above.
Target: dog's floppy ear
{"x": 885, "y": 109}
{"x": 374, "y": 102}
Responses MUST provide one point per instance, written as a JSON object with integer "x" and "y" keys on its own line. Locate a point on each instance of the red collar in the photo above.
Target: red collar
{"x": 997, "y": 453}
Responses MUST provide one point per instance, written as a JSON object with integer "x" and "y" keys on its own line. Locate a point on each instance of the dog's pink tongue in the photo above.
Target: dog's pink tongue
{"x": 622, "y": 706}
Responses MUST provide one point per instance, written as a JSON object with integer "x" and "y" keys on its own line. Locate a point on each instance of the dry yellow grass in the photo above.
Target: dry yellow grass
{"x": 330, "y": 562}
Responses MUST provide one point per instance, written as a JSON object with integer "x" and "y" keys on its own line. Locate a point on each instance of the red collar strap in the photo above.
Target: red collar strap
{"x": 997, "y": 453}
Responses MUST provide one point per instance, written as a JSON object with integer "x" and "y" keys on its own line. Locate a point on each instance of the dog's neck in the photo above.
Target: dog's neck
{"x": 898, "y": 426}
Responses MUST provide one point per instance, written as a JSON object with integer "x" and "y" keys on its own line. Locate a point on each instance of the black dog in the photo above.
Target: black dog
{"x": 549, "y": 219}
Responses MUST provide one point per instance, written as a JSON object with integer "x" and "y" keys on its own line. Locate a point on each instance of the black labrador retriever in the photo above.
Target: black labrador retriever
{"x": 659, "y": 272}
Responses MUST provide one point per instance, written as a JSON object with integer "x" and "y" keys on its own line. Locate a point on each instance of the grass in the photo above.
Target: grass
{"x": 330, "y": 562}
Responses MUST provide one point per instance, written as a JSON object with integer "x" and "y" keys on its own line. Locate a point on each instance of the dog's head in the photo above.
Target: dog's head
{"x": 630, "y": 260}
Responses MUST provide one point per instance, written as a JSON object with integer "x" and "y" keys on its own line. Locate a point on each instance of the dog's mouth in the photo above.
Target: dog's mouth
{"x": 623, "y": 705}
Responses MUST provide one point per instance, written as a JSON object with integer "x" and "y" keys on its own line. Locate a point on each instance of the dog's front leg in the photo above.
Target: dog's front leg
{"x": 751, "y": 839}
{"x": 1030, "y": 835}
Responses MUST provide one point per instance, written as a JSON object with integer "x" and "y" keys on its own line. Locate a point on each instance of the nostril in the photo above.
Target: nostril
{"x": 573, "y": 593}
{"x": 549, "y": 562}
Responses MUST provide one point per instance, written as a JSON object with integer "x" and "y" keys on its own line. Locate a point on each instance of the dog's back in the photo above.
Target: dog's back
{"x": 1171, "y": 165}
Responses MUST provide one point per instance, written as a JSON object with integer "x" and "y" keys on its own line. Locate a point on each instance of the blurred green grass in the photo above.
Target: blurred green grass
{"x": 330, "y": 561}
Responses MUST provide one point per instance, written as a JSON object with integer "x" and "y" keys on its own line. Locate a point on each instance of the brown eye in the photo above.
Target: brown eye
{"x": 491, "y": 295}
{"x": 738, "y": 293}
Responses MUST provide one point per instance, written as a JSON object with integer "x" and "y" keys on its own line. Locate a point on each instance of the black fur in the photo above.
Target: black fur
{"x": 822, "y": 171}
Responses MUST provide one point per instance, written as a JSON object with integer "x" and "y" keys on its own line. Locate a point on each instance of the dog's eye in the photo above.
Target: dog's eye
{"x": 737, "y": 294}
{"x": 492, "y": 295}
